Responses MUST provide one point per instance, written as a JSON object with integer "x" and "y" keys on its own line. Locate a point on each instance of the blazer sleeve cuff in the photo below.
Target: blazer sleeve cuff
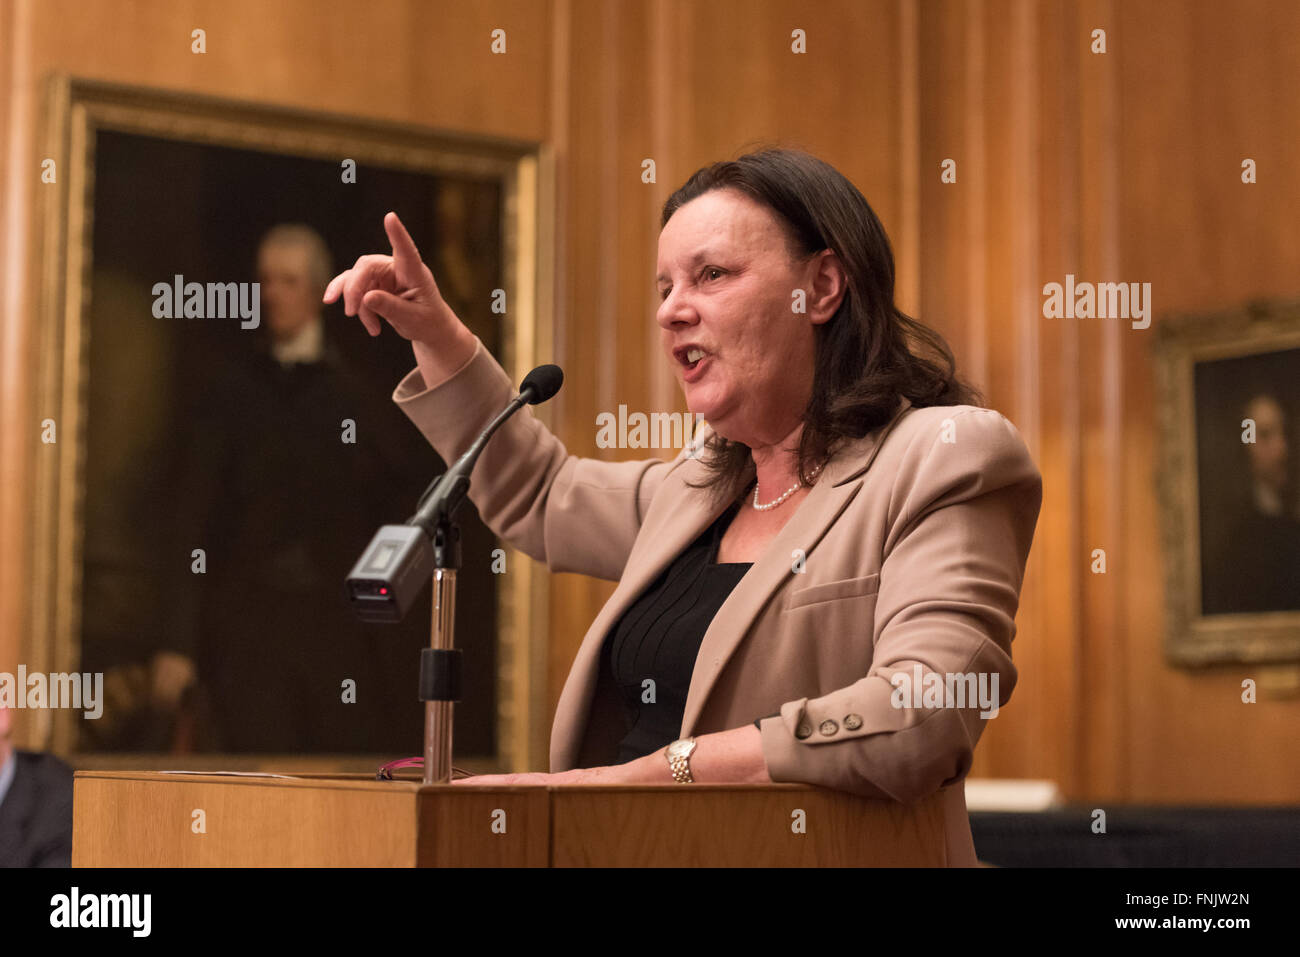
{"x": 782, "y": 751}
{"x": 795, "y": 751}
{"x": 453, "y": 412}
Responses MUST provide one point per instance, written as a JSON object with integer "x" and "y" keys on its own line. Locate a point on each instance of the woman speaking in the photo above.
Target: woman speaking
{"x": 823, "y": 587}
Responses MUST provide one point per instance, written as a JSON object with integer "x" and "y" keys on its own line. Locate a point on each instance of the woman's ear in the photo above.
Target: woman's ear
{"x": 828, "y": 283}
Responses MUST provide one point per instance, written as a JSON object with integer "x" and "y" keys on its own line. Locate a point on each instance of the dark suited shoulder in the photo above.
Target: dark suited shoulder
{"x": 36, "y": 815}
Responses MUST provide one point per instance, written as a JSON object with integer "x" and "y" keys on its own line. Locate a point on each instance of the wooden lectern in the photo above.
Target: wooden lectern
{"x": 149, "y": 819}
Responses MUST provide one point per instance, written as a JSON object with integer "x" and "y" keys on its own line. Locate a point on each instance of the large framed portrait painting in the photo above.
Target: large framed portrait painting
{"x": 217, "y": 472}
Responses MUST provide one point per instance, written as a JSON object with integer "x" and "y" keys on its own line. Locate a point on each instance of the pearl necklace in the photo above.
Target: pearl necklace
{"x": 790, "y": 491}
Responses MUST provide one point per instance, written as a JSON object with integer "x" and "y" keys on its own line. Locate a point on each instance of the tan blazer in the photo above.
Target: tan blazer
{"x": 913, "y": 543}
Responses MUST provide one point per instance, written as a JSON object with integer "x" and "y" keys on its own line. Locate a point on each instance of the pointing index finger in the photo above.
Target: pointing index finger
{"x": 406, "y": 258}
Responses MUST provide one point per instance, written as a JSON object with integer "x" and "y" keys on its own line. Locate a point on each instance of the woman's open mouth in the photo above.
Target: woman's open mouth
{"x": 694, "y": 361}
{"x": 697, "y": 363}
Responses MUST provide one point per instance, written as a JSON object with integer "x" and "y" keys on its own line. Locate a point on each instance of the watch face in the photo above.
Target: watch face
{"x": 680, "y": 749}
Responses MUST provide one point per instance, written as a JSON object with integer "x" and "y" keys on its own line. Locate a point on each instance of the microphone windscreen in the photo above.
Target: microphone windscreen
{"x": 544, "y": 382}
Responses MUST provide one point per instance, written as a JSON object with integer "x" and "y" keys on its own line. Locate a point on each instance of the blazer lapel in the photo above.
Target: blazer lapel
{"x": 840, "y": 482}
{"x": 691, "y": 513}
{"x": 815, "y": 514}
{"x": 694, "y": 511}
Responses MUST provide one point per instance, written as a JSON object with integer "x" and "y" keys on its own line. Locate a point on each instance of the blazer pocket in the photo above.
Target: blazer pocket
{"x": 830, "y": 591}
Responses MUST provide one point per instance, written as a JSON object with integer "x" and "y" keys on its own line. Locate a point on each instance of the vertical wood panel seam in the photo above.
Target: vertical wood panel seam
{"x": 1028, "y": 319}
{"x": 1113, "y": 383}
{"x": 15, "y": 348}
{"x": 611, "y": 169}
{"x": 976, "y": 218}
{"x": 561, "y": 26}
{"x": 910, "y": 149}
{"x": 1083, "y": 765}
{"x": 561, "y": 320}
{"x": 663, "y": 148}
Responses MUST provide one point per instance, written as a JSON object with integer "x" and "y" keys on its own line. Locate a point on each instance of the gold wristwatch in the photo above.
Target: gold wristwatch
{"x": 679, "y": 760}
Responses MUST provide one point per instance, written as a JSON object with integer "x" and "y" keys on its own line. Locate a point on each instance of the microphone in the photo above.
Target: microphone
{"x": 399, "y": 561}
{"x": 542, "y": 383}
{"x": 445, "y": 496}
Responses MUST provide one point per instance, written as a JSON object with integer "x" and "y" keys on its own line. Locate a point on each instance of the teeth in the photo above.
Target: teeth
{"x": 694, "y": 355}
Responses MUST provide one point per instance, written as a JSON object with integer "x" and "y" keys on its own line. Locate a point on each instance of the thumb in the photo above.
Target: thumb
{"x": 402, "y": 314}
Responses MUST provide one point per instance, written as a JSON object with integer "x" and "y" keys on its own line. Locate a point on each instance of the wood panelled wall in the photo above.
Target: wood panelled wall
{"x": 1116, "y": 166}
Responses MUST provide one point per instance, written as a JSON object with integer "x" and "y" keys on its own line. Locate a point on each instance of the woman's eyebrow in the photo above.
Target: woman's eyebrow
{"x": 696, "y": 258}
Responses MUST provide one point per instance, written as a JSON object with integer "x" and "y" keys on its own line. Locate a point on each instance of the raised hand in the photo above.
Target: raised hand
{"x": 400, "y": 289}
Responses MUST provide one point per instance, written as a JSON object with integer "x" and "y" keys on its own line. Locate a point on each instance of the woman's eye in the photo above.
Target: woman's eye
{"x": 708, "y": 272}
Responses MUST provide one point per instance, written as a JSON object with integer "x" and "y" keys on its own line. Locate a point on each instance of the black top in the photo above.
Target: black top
{"x": 650, "y": 652}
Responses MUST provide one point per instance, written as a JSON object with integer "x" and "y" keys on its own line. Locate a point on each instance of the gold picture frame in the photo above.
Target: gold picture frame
{"x": 77, "y": 110}
{"x": 1208, "y": 368}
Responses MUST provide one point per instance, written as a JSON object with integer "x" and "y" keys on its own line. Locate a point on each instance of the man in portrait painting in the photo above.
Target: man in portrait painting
{"x": 1255, "y": 565}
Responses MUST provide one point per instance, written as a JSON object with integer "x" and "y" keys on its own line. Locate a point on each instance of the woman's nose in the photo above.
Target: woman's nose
{"x": 676, "y": 311}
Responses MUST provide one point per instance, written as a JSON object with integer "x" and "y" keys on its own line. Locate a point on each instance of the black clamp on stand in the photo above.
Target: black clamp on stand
{"x": 440, "y": 674}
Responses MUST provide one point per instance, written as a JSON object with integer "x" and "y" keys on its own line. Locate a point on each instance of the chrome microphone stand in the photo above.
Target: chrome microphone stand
{"x": 440, "y": 663}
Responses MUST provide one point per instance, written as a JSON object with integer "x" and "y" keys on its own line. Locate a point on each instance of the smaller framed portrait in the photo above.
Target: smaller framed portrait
{"x": 1229, "y": 388}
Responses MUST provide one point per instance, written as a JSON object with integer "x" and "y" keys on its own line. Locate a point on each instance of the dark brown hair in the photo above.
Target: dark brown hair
{"x": 869, "y": 353}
